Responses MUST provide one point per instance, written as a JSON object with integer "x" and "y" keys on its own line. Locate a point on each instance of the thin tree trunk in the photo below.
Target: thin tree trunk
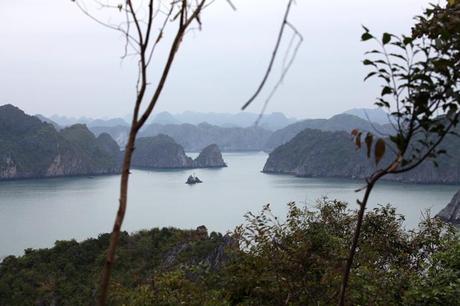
{"x": 354, "y": 245}
{"x": 114, "y": 238}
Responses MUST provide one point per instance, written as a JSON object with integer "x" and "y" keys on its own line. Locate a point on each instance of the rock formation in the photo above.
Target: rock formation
{"x": 315, "y": 153}
{"x": 31, "y": 148}
{"x": 210, "y": 157}
{"x": 451, "y": 213}
{"x": 192, "y": 180}
{"x": 160, "y": 152}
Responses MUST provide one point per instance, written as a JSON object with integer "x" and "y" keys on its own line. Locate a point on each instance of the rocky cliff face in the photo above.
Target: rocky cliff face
{"x": 210, "y": 157}
{"x": 30, "y": 148}
{"x": 314, "y": 153}
{"x": 160, "y": 152}
{"x": 451, "y": 213}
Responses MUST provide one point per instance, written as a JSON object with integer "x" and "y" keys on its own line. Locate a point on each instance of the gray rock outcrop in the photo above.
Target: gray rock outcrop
{"x": 210, "y": 157}
{"x": 451, "y": 213}
{"x": 160, "y": 152}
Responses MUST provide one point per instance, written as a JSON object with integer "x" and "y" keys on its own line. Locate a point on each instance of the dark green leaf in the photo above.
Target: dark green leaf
{"x": 366, "y": 36}
{"x": 386, "y": 38}
{"x": 370, "y": 75}
{"x": 368, "y": 62}
{"x": 386, "y": 90}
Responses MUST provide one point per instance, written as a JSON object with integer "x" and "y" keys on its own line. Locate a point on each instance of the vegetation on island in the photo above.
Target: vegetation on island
{"x": 31, "y": 148}
{"x": 315, "y": 153}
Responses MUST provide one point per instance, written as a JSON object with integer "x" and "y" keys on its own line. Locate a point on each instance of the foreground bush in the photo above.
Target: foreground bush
{"x": 297, "y": 261}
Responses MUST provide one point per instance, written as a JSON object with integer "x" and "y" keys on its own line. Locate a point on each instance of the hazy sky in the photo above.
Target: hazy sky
{"x": 55, "y": 60}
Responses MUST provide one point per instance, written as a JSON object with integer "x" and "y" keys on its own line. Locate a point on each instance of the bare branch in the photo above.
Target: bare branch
{"x": 273, "y": 57}
{"x": 172, "y": 53}
{"x": 284, "y": 73}
{"x": 104, "y": 24}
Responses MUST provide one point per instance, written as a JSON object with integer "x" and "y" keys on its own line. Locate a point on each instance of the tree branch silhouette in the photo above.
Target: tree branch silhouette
{"x": 273, "y": 57}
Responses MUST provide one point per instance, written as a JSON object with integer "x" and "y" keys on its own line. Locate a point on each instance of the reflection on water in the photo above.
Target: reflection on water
{"x": 35, "y": 213}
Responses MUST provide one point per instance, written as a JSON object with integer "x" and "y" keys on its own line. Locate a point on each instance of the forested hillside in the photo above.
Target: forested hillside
{"x": 264, "y": 263}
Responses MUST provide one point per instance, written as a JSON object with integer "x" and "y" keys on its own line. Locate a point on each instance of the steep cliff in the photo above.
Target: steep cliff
{"x": 30, "y": 148}
{"x": 315, "y": 153}
{"x": 210, "y": 157}
{"x": 451, "y": 213}
{"x": 160, "y": 152}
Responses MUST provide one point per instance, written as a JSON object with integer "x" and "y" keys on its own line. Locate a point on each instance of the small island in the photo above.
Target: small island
{"x": 192, "y": 180}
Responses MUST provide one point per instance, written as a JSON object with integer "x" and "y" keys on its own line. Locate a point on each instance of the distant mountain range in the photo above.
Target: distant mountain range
{"x": 195, "y": 137}
{"x": 376, "y": 115}
{"x": 341, "y": 122}
{"x": 272, "y": 121}
{"x": 63, "y": 121}
{"x": 232, "y": 132}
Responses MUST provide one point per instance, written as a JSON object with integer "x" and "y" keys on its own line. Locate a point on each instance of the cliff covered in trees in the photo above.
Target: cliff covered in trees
{"x": 315, "y": 153}
{"x": 31, "y": 148}
{"x": 162, "y": 152}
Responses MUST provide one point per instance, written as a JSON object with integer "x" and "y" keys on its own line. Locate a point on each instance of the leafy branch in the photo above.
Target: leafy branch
{"x": 420, "y": 92}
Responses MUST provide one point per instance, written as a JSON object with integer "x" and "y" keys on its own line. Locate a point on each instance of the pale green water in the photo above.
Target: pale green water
{"x": 35, "y": 213}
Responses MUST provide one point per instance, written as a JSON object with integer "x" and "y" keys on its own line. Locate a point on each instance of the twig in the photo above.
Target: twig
{"x": 273, "y": 57}
{"x": 283, "y": 74}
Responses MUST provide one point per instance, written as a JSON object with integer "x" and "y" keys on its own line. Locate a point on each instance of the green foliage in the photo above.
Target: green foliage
{"x": 68, "y": 273}
{"x": 299, "y": 261}
{"x": 294, "y": 261}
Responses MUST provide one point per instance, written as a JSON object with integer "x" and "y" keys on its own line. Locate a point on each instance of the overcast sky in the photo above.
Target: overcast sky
{"x": 55, "y": 60}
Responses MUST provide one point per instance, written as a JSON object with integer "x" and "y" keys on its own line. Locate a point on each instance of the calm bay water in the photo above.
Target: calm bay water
{"x": 35, "y": 213}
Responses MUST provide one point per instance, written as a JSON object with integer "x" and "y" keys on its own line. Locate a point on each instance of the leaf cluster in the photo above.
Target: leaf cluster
{"x": 420, "y": 77}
